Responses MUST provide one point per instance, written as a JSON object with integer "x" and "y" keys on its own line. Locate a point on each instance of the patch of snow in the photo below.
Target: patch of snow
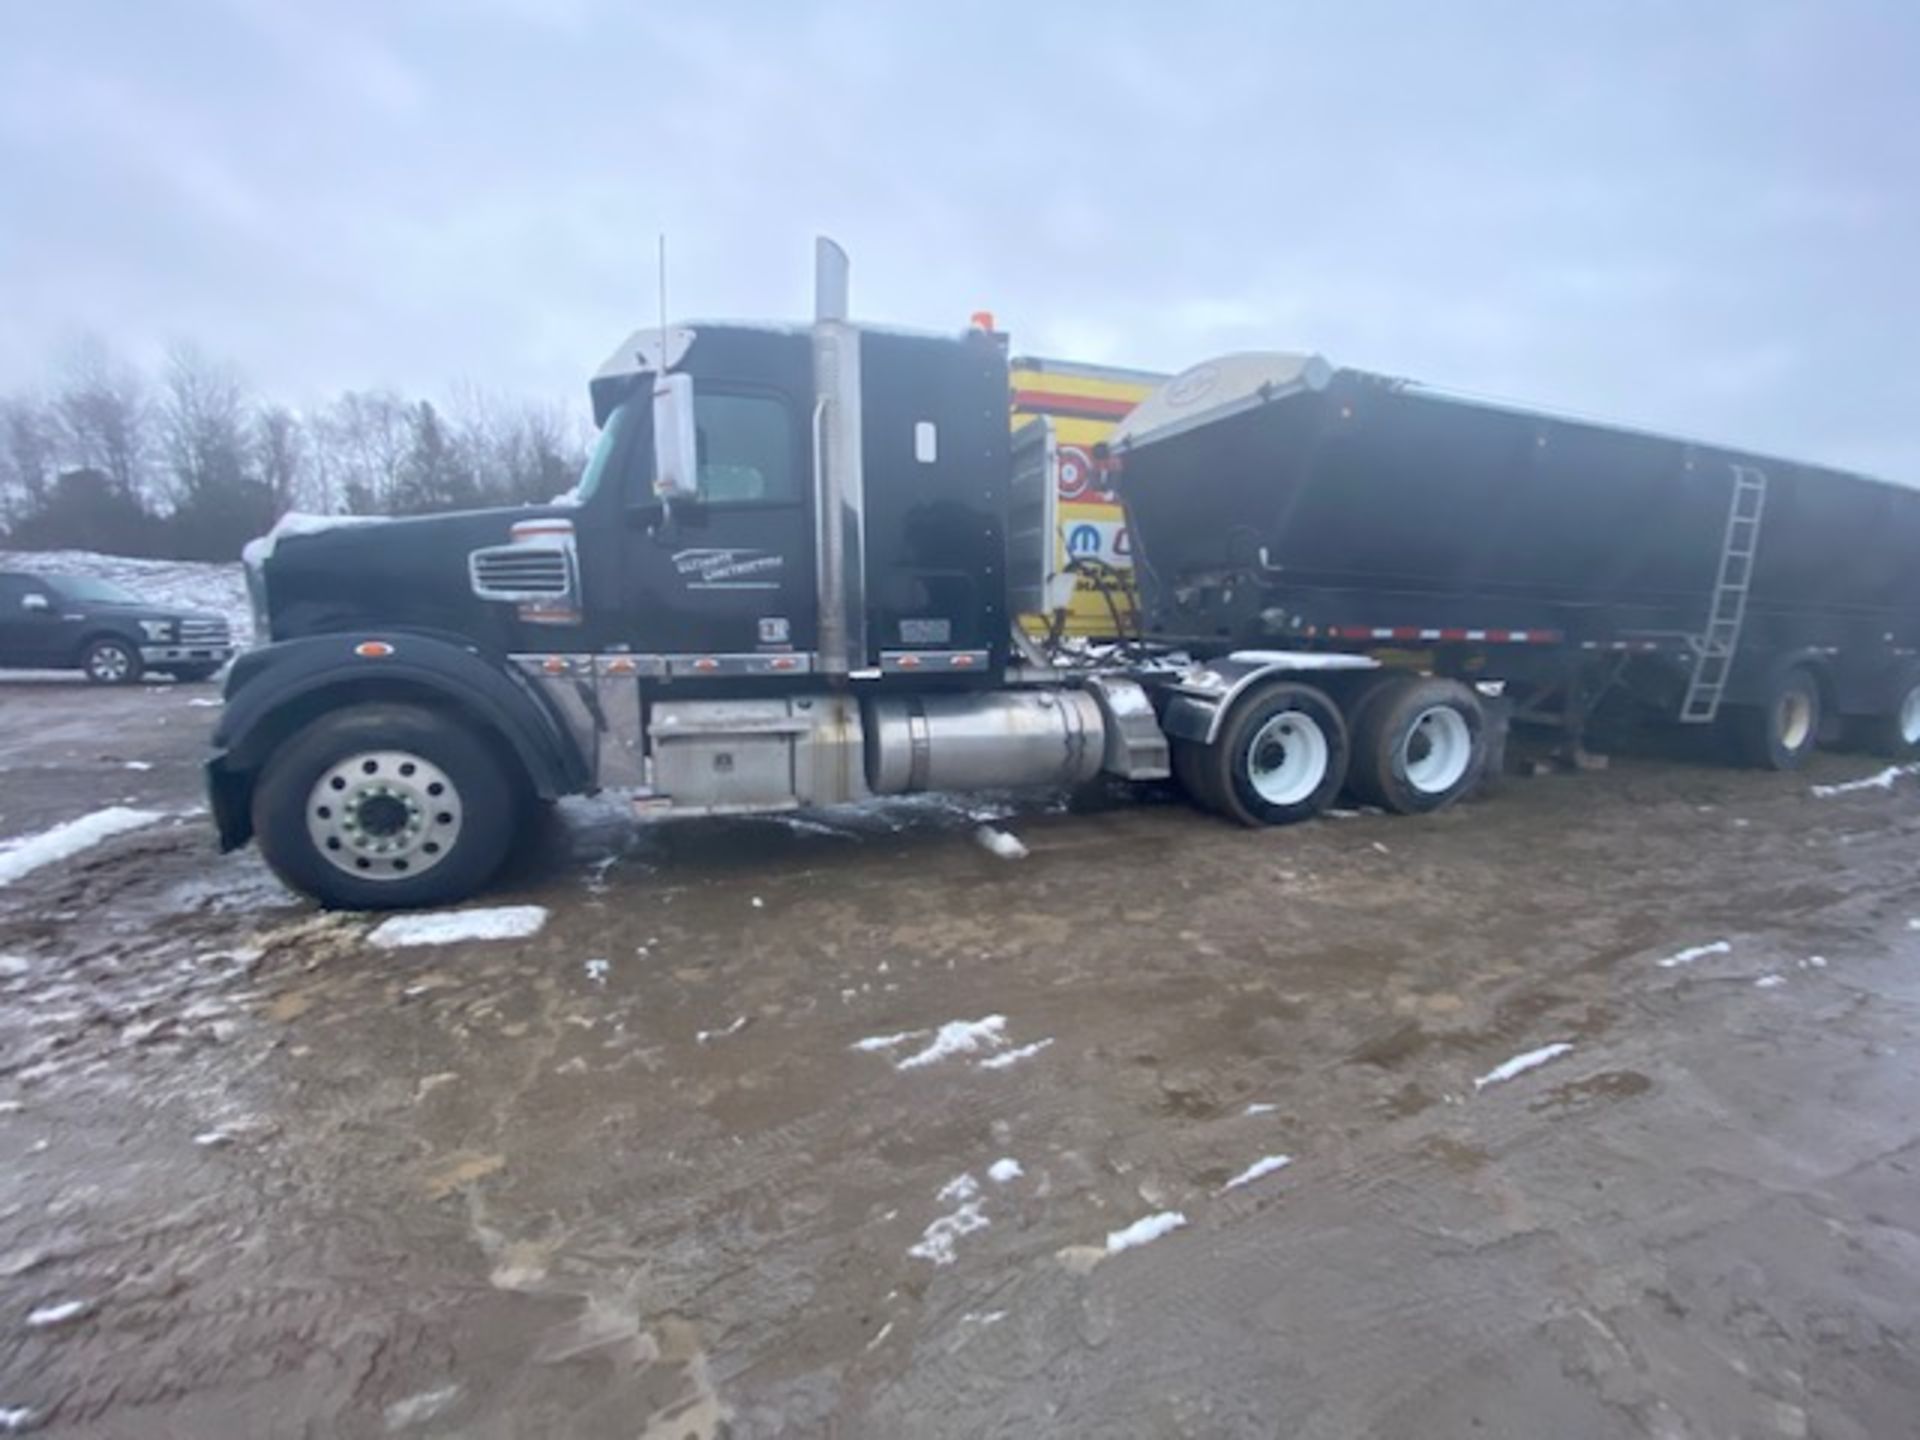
{"x": 22, "y": 856}
{"x": 983, "y": 1317}
{"x": 883, "y": 1042}
{"x": 937, "y": 1240}
{"x": 1768, "y": 982}
{"x": 206, "y": 702}
{"x": 418, "y": 1408}
{"x": 959, "y": 1037}
{"x": 207, "y": 1139}
{"x": 597, "y": 971}
{"x": 1814, "y": 962}
{"x": 880, "y": 1336}
{"x": 57, "y": 1313}
{"x": 14, "y": 1419}
{"x": 1520, "y": 1064}
{"x": 999, "y": 842}
{"x": 1695, "y": 952}
{"x": 1881, "y": 781}
{"x": 701, "y": 1037}
{"x": 1015, "y": 1056}
{"x": 14, "y": 964}
{"x": 1266, "y": 1165}
{"x": 1004, "y": 1170}
{"x": 1261, "y": 1107}
{"x": 1144, "y": 1230}
{"x": 758, "y": 903}
{"x": 449, "y": 927}
{"x": 259, "y": 550}
{"x": 138, "y": 765}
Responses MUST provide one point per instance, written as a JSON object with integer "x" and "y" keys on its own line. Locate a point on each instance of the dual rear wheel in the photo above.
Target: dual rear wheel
{"x": 1407, "y": 743}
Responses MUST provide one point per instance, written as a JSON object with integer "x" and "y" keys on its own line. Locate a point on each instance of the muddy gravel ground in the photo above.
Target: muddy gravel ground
{"x": 843, "y": 1125}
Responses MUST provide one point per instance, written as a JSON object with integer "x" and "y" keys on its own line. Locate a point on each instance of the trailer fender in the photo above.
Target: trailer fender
{"x": 1756, "y": 682}
{"x": 1199, "y": 700}
{"x": 274, "y": 691}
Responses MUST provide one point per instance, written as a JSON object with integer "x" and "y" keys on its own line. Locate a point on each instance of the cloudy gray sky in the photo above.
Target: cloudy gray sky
{"x": 1699, "y": 216}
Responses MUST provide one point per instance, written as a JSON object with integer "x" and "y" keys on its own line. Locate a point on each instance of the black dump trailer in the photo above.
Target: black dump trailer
{"x": 790, "y": 573}
{"x": 1278, "y": 502}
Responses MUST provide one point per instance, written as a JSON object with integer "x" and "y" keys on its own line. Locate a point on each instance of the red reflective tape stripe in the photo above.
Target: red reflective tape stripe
{"x": 1452, "y": 635}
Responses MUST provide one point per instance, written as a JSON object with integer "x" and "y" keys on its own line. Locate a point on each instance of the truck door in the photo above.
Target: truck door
{"x": 30, "y": 626}
{"x": 730, "y": 573}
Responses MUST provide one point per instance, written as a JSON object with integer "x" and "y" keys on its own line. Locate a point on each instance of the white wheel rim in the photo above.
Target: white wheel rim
{"x": 384, "y": 815}
{"x": 1437, "y": 750}
{"x": 110, "y": 662}
{"x": 1796, "y": 719}
{"x": 1287, "y": 758}
{"x": 1910, "y": 717}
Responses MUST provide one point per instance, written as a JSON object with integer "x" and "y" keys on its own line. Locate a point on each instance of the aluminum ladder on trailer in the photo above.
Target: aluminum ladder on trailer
{"x": 1713, "y": 650}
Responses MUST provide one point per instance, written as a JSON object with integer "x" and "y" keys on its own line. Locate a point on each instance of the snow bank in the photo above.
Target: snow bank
{"x": 1520, "y": 1064}
{"x": 175, "y": 584}
{"x": 999, "y": 842}
{"x": 449, "y": 927}
{"x": 1264, "y": 1166}
{"x": 30, "y": 852}
{"x": 1150, "y": 1228}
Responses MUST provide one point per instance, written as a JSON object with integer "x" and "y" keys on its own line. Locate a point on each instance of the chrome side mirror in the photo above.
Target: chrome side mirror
{"x": 676, "y": 459}
{"x": 34, "y": 600}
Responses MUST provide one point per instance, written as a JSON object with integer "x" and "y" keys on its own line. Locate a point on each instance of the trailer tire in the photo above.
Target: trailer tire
{"x": 385, "y": 806}
{"x": 1895, "y": 734}
{"x": 1281, "y": 756}
{"x": 1419, "y": 744}
{"x": 1783, "y": 731}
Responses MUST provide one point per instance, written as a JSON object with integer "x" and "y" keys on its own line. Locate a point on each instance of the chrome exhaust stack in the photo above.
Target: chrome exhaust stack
{"x": 839, "y": 495}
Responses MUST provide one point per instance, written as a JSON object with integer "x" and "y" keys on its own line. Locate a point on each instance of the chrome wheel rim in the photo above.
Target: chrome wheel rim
{"x": 1287, "y": 758}
{"x": 384, "y": 815}
{"x": 1437, "y": 750}
{"x": 110, "y": 663}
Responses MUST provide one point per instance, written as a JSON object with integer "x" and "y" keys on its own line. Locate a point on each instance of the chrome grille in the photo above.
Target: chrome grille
{"x": 522, "y": 572}
{"x": 205, "y": 632}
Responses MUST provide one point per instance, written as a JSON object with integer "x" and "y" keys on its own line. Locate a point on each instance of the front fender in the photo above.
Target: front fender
{"x": 1196, "y": 704}
{"x": 273, "y": 691}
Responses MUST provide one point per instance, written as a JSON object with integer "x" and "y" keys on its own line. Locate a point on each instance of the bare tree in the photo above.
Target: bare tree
{"x": 103, "y": 415}
{"x": 28, "y": 453}
{"x": 280, "y": 444}
{"x": 202, "y": 426}
{"x": 361, "y": 442}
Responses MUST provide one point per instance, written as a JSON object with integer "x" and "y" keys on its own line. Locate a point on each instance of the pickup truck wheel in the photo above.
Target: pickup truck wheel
{"x": 1781, "y": 733}
{"x": 383, "y": 806}
{"x": 111, "y": 661}
{"x": 1417, "y": 744}
{"x": 1280, "y": 757}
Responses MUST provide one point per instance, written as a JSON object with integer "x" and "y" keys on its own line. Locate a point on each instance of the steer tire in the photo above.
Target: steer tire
{"x": 1419, "y": 744}
{"x": 1280, "y": 756}
{"x": 112, "y": 661}
{"x": 297, "y": 809}
{"x": 1783, "y": 731}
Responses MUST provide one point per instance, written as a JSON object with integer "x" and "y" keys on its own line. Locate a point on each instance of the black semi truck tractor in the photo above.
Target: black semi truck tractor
{"x": 793, "y": 571}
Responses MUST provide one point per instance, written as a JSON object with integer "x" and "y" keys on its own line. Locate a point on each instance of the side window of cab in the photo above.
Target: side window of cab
{"x": 746, "y": 449}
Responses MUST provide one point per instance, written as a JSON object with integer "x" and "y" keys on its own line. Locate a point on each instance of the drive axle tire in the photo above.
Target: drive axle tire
{"x": 111, "y": 661}
{"x": 1780, "y": 734}
{"x": 1419, "y": 744}
{"x": 1280, "y": 758}
{"x": 385, "y": 806}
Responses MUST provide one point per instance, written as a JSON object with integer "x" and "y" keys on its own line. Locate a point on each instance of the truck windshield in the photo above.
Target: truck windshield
{"x": 617, "y": 425}
{"x": 100, "y": 592}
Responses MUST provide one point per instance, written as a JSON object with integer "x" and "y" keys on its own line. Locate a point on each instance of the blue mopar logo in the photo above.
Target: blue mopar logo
{"x": 1083, "y": 540}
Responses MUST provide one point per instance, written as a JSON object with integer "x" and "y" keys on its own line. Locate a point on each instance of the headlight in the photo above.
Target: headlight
{"x": 158, "y": 630}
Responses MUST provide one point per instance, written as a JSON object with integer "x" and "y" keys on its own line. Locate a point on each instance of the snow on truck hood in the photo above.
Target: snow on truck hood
{"x": 1217, "y": 388}
{"x": 258, "y": 551}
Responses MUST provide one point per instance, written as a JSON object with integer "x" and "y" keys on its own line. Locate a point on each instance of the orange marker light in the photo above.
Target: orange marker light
{"x": 706, "y": 664}
{"x": 982, "y": 320}
{"x": 373, "y": 649}
{"x": 554, "y": 665}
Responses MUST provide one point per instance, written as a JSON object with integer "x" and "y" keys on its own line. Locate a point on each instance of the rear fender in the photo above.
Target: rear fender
{"x": 1197, "y": 703}
{"x": 272, "y": 692}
